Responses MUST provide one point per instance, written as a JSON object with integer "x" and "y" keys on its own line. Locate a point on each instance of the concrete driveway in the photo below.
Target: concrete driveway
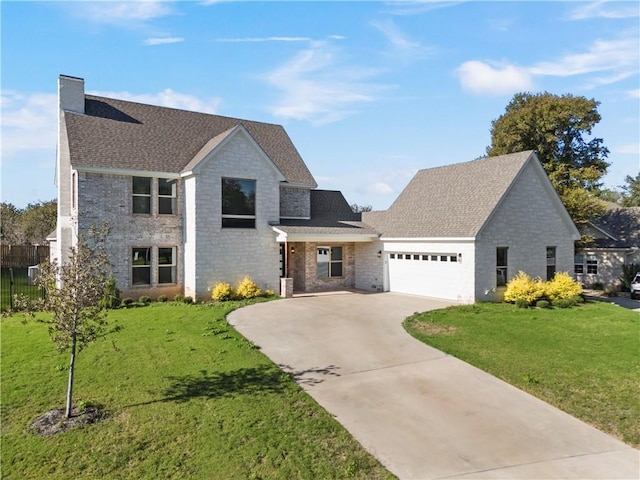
{"x": 423, "y": 414}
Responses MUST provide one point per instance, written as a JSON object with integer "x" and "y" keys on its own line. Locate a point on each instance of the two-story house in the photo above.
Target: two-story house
{"x": 193, "y": 199}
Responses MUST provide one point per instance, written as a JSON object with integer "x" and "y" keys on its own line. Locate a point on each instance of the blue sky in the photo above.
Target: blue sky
{"x": 369, "y": 92}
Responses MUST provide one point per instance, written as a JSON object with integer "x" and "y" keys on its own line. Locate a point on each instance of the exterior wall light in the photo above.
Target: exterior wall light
{"x": 379, "y": 253}
{"x": 293, "y": 249}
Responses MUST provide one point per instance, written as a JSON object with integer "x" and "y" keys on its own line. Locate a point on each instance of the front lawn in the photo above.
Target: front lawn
{"x": 584, "y": 360}
{"x": 186, "y": 397}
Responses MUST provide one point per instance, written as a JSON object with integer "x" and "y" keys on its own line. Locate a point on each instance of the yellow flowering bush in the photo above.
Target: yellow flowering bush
{"x": 247, "y": 288}
{"x": 221, "y": 292}
{"x": 523, "y": 288}
{"x": 562, "y": 286}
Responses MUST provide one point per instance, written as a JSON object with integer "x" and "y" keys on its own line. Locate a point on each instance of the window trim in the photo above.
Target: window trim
{"x": 502, "y": 271}
{"x": 146, "y": 266}
{"x": 173, "y": 197}
{"x": 231, "y": 216}
{"x": 135, "y": 195}
{"x": 331, "y": 261}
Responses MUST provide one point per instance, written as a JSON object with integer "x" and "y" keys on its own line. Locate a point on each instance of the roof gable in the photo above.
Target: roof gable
{"x": 621, "y": 228}
{"x": 453, "y": 201}
{"x": 122, "y": 135}
{"x": 218, "y": 142}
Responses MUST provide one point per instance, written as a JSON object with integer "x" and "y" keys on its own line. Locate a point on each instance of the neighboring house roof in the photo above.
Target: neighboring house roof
{"x": 330, "y": 215}
{"x": 620, "y": 227}
{"x": 123, "y": 135}
{"x": 453, "y": 201}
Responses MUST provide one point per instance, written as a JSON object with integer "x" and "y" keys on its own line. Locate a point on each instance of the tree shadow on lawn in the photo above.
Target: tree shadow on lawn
{"x": 244, "y": 381}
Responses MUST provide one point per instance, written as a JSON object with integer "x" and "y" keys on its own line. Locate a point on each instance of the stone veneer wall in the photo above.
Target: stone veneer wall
{"x": 108, "y": 198}
{"x": 295, "y": 202}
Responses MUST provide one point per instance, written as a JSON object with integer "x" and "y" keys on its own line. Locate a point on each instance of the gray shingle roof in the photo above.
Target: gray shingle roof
{"x": 621, "y": 223}
{"x": 451, "y": 201}
{"x": 330, "y": 214}
{"x": 133, "y": 136}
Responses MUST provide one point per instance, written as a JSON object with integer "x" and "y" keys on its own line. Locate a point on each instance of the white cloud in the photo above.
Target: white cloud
{"x": 167, "y": 98}
{"x": 122, "y": 12}
{"x": 617, "y": 56}
{"x": 634, "y": 93}
{"x": 29, "y": 122}
{"x": 610, "y": 61}
{"x": 379, "y": 188}
{"x": 482, "y": 78}
{"x": 163, "y": 40}
{"x": 605, "y": 10}
{"x": 400, "y": 43}
{"x": 416, "y": 7}
{"x": 263, "y": 39}
{"x": 629, "y": 149}
{"x": 315, "y": 86}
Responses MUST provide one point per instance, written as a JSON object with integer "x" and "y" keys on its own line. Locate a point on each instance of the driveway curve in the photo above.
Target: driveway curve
{"x": 422, "y": 413}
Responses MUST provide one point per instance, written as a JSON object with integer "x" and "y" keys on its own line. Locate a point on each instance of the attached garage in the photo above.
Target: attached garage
{"x": 438, "y": 275}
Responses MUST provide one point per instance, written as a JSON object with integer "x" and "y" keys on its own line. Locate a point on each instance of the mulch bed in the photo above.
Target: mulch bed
{"x": 54, "y": 421}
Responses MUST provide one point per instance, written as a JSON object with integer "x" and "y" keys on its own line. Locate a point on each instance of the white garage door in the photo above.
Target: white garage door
{"x": 435, "y": 275}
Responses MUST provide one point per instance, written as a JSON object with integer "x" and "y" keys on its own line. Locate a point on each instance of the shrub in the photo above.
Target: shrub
{"x": 628, "y": 272}
{"x": 222, "y": 292}
{"x": 522, "y": 303}
{"x": 111, "y": 294}
{"x": 523, "y": 287}
{"x": 543, "y": 304}
{"x": 247, "y": 288}
{"x": 565, "y": 302}
{"x": 162, "y": 298}
{"x": 187, "y": 300}
{"x": 178, "y": 298}
{"x": 127, "y": 302}
{"x": 562, "y": 286}
{"x": 144, "y": 299}
{"x": 610, "y": 291}
{"x": 269, "y": 293}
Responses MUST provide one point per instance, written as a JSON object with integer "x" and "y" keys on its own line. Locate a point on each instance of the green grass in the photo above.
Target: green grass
{"x": 584, "y": 360}
{"x": 20, "y": 286}
{"x": 186, "y": 397}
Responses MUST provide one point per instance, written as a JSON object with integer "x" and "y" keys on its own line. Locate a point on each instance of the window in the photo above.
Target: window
{"x": 142, "y": 195}
{"x": 453, "y": 258}
{"x": 238, "y": 203}
{"x": 167, "y": 265}
{"x": 392, "y": 255}
{"x": 551, "y": 262}
{"x": 592, "y": 264}
{"x": 425, "y": 257}
{"x": 434, "y": 258}
{"x": 166, "y": 196}
{"x": 416, "y": 257}
{"x": 501, "y": 266}
{"x": 443, "y": 258}
{"x": 141, "y": 266}
{"x": 329, "y": 262}
{"x": 578, "y": 263}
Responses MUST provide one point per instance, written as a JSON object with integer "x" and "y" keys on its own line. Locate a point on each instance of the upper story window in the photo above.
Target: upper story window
{"x": 142, "y": 195}
{"x": 238, "y": 203}
{"x": 167, "y": 196}
{"x": 501, "y": 266}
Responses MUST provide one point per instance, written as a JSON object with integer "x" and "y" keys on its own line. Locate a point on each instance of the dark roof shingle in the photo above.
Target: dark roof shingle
{"x": 132, "y": 136}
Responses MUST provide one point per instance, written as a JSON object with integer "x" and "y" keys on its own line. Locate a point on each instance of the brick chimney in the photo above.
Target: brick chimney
{"x": 71, "y": 93}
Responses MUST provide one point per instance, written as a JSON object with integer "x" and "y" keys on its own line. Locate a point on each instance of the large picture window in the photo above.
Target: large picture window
{"x": 329, "y": 262}
{"x": 167, "y": 265}
{"x": 501, "y": 266}
{"x": 167, "y": 196}
{"x": 238, "y": 203}
{"x": 142, "y": 195}
{"x": 141, "y": 266}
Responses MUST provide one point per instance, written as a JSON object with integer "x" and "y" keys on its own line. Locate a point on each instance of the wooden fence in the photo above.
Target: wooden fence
{"x": 22, "y": 256}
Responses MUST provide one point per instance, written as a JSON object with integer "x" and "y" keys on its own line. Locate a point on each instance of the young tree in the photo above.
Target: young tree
{"x": 360, "y": 208}
{"x": 74, "y": 292}
{"x": 556, "y": 126}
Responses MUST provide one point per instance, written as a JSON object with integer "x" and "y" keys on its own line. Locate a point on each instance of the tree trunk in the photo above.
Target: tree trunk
{"x": 67, "y": 412}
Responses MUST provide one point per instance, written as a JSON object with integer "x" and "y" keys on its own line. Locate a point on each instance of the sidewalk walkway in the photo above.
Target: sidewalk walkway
{"x": 423, "y": 414}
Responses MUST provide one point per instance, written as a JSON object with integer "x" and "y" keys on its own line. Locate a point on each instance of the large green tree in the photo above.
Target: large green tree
{"x": 558, "y": 128}
{"x": 30, "y": 225}
{"x": 631, "y": 191}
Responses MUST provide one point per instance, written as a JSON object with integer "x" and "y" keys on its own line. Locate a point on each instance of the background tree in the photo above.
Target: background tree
{"x": 73, "y": 296}
{"x": 360, "y": 208}
{"x": 556, "y": 127}
{"x": 30, "y": 225}
{"x": 630, "y": 196}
